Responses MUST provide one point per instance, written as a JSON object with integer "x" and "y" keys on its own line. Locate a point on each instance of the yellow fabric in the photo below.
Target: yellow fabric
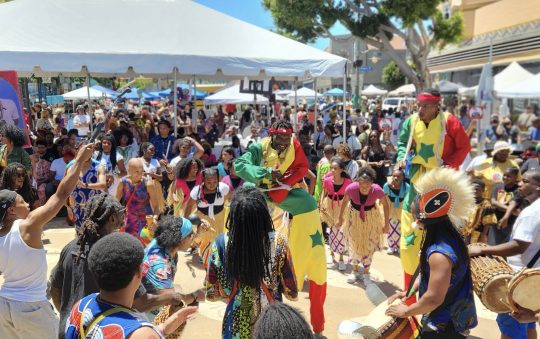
{"x": 272, "y": 159}
{"x": 309, "y": 259}
{"x": 363, "y": 236}
{"x": 409, "y": 253}
{"x": 175, "y": 197}
{"x": 329, "y": 213}
{"x": 207, "y": 238}
{"x": 428, "y": 135}
{"x": 491, "y": 173}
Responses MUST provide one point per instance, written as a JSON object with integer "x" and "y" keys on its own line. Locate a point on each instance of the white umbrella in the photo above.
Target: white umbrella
{"x": 373, "y": 91}
{"x": 232, "y": 95}
{"x": 408, "y": 89}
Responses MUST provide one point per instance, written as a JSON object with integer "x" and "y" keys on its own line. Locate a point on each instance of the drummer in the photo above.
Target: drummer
{"x": 445, "y": 284}
{"x": 520, "y": 251}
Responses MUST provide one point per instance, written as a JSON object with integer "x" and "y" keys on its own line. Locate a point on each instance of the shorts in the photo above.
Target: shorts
{"x": 512, "y": 328}
{"x": 19, "y": 319}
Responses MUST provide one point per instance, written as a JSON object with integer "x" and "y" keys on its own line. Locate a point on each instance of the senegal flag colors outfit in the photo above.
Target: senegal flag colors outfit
{"x": 443, "y": 142}
{"x": 305, "y": 232}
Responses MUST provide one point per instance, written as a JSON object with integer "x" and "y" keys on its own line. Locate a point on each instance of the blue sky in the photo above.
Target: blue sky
{"x": 252, "y": 11}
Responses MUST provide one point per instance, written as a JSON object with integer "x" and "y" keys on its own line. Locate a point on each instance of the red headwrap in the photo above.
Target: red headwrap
{"x": 287, "y": 131}
{"x": 428, "y": 97}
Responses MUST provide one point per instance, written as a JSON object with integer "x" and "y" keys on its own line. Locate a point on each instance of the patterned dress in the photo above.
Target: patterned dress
{"x": 330, "y": 209}
{"x": 119, "y": 323}
{"x": 42, "y": 172}
{"x": 395, "y": 200}
{"x": 482, "y": 216}
{"x": 137, "y": 201}
{"x": 80, "y": 195}
{"x": 244, "y": 304}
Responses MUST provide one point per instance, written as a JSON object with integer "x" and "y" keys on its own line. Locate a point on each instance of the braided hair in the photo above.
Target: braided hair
{"x": 282, "y": 124}
{"x": 208, "y": 172}
{"x": 248, "y": 252}
{"x": 97, "y": 211}
{"x": 112, "y": 155}
{"x": 6, "y": 180}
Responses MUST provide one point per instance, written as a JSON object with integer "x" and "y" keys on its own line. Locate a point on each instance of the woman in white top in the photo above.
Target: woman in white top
{"x": 112, "y": 161}
{"x": 25, "y": 311}
{"x": 209, "y": 197}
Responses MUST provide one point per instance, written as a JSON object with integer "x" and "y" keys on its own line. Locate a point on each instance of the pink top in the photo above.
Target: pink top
{"x": 328, "y": 184}
{"x": 182, "y": 184}
{"x": 375, "y": 193}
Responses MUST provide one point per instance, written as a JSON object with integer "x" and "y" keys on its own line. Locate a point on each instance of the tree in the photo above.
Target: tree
{"x": 419, "y": 23}
{"x": 392, "y": 76}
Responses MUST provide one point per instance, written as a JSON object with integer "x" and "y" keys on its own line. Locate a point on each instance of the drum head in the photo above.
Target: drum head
{"x": 525, "y": 292}
{"x": 495, "y": 291}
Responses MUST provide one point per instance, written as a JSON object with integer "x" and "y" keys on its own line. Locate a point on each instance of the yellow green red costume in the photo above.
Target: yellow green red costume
{"x": 305, "y": 232}
{"x": 443, "y": 142}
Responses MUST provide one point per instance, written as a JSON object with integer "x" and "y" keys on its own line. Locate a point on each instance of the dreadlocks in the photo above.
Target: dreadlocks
{"x": 248, "y": 249}
{"x": 97, "y": 211}
{"x": 10, "y": 174}
{"x": 282, "y": 124}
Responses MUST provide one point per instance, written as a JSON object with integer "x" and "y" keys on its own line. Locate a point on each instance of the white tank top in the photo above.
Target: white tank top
{"x": 24, "y": 268}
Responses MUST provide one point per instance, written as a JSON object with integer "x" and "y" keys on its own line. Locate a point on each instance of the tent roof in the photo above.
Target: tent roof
{"x": 232, "y": 48}
{"x": 232, "y": 95}
{"x": 512, "y": 74}
{"x": 408, "y": 89}
{"x": 448, "y": 87}
{"x": 303, "y": 92}
{"x": 529, "y": 88}
{"x": 82, "y": 93}
{"x": 372, "y": 90}
{"x": 335, "y": 92}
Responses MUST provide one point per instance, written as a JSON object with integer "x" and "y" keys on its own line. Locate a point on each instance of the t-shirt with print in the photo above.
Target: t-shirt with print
{"x": 460, "y": 310}
{"x": 159, "y": 267}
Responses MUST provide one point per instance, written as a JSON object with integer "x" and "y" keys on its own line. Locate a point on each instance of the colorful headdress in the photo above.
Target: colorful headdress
{"x": 428, "y": 97}
{"x": 286, "y": 131}
{"x": 444, "y": 193}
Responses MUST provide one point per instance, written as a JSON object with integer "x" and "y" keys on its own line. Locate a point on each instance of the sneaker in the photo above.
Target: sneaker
{"x": 390, "y": 251}
{"x": 342, "y": 266}
{"x": 353, "y": 277}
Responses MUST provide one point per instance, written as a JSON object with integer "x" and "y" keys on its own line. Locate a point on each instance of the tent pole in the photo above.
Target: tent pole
{"x": 90, "y": 112}
{"x": 315, "y": 104}
{"x": 195, "y": 115}
{"x": 295, "y": 103}
{"x": 175, "y": 101}
{"x": 344, "y": 100}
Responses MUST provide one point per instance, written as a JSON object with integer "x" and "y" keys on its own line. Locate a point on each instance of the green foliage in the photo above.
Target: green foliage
{"x": 447, "y": 31}
{"x": 392, "y": 76}
{"x": 410, "y": 11}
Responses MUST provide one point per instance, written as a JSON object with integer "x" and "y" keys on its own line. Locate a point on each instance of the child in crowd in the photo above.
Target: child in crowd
{"x": 395, "y": 193}
{"x": 482, "y": 218}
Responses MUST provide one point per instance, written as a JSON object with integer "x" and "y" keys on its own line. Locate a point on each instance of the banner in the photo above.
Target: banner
{"x": 11, "y": 111}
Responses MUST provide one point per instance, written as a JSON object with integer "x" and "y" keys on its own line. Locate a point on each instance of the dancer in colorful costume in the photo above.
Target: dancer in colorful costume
{"x": 428, "y": 139}
{"x": 277, "y": 166}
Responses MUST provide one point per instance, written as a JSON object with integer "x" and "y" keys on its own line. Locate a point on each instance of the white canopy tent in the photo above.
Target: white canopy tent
{"x": 529, "y": 88}
{"x": 303, "y": 92}
{"x": 82, "y": 94}
{"x": 406, "y": 90}
{"x": 95, "y": 44}
{"x": 281, "y": 95}
{"x": 373, "y": 91}
{"x": 232, "y": 95}
{"x": 509, "y": 76}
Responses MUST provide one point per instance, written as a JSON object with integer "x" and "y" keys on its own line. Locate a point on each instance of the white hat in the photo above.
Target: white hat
{"x": 501, "y": 146}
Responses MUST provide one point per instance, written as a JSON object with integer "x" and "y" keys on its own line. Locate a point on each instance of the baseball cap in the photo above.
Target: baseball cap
{"x": 7, "y": 198}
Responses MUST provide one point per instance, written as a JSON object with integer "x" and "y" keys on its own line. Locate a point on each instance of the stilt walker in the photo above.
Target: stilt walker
{"x": 277, "y": 165}
{"x": 428, "y": 139}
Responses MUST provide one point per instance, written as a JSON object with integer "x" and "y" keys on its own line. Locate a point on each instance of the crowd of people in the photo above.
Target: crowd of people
{"x": 256, "y": 197}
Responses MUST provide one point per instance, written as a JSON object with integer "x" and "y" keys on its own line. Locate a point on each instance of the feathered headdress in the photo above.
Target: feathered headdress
{"x": 444, "y": 192}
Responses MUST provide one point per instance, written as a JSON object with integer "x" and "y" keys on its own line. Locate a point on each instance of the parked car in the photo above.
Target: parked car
{"x": 396, "y": 102}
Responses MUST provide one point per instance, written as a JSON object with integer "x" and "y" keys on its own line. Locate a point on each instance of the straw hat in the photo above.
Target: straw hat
{"x": 501, "y": 146}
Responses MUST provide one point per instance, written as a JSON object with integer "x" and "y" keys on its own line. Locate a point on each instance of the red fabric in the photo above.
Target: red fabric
{"x": 412, "y": 299}
{"x": 294, "y": 174}
{"x": 285, "y": 131}
{"x": 181, "y": 184}
{"x": 428, "y": 97}
{"x": 456, "y": 143}
{"x": 317, "y": 297}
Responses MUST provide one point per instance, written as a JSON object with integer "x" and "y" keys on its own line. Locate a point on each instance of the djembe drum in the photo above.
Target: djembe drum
{"x": 491, "y": 275}
{"x": 164, "y": 314}
{"x": 523, "y": 290}
{"x": 379, "y": 325}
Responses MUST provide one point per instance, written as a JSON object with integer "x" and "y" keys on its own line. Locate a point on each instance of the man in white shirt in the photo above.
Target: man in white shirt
{"x": 82, "y": 121}
{"x": 520, "y": 250}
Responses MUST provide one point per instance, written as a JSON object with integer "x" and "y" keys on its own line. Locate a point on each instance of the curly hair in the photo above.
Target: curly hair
{"x": 14, "y": 134}
{"x": 344, "y": 149}
{"x": 6, "y": 181}
{"x": 280, "y": 320}
{"x": 97, "y": 211}
{"x": 367, "y": 170}
{"x": 119, "y": 132}
{"x": 168, "y": 233}
{"x": 248, "y": 252}
{"x": 182, "y": 168}
{"x": 114, "y": 260}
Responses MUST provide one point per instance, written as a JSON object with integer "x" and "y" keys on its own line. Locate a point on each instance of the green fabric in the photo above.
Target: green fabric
{"x": 18, "y": 154}
{"x": 298, "y": 201}
{"x": 247, "y": 166}
{"x": 321, "y": 171}
{"x": 403, "y": 139}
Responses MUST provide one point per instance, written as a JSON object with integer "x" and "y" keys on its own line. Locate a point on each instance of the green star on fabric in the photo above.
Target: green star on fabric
{"x": 426, "y": 151}
{"x": 410, "y": 238}
{"x": 316, "y": 239}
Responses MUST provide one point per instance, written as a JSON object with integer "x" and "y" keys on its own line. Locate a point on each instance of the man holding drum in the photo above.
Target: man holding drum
{"x": 521, "y": 251}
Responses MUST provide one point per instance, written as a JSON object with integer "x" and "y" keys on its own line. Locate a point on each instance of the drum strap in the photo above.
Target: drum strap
{"x": 534, "y": 259}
